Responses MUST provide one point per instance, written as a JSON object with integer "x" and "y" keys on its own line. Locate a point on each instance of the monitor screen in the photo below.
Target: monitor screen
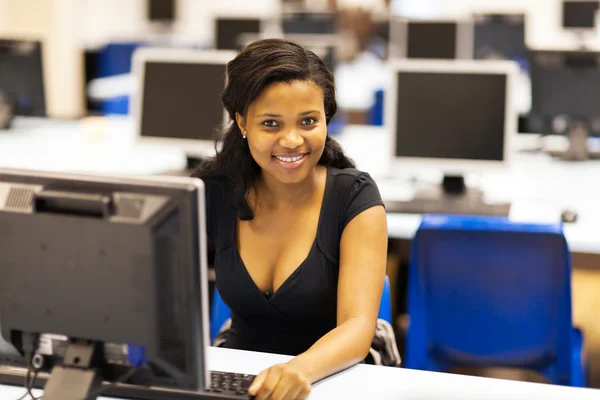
{"x": 21, "y": 77}
{"x": 498, "y": 36}
{"x": 432, "y": 40}
{"x": 579, "y": 14}
{"x": 308, "y": 23}
{"x": 450, "y": 115}
{"x": 182, "y": 100}
{"x": 228, "y": 31}
{"x": 161, "y": 10}
{"x": 564, "y": 84}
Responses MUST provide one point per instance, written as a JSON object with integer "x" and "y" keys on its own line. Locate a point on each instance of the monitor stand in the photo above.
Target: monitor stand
{"x": 78, "y": 376}
{"x": 451, "y": 197}
{"x": 578, "y": 132}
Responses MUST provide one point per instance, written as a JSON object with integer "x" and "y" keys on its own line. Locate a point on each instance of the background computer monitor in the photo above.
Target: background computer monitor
{"x": 499, "y": 36}
{"x": 453, "y": 116}
{"x": 178, "y": 99}
{"x": 22, "y": 77}
{"x": 108, "y": 262}
{"x": 565, "y": 87}
{"x": 430, "y": 39}
{"x": 327, "y": 47}
{"x": 321, "y": 23}
{"x": 579, "y": 14}
{"x": 228, "y": 30}
{"x": 161, "y": 10}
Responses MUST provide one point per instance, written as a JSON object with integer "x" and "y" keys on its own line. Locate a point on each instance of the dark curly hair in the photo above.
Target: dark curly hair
{"x": 260, "y": 64}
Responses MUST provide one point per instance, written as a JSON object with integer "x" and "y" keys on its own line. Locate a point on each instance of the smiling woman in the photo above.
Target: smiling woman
{"x": 300, "y": 235}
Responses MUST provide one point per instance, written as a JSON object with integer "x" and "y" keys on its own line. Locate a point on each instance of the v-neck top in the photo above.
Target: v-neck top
{"x": 303, "y": 308}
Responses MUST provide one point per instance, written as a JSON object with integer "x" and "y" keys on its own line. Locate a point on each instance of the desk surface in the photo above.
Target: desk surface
{"x": 383, "y": 383}
{"x": 538, "y": 187}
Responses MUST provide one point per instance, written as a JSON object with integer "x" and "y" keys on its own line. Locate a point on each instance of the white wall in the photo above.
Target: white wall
{"x": 126, "y": 19}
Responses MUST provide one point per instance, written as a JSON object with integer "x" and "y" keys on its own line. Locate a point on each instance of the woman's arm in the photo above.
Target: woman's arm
{"x": 363, "y": 252}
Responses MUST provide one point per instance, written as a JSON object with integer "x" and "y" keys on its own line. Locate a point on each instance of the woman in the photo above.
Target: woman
{"x": 300, "y": 236}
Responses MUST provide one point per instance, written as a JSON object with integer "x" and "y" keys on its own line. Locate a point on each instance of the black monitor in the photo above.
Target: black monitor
{"x": 430, "y": 39}
{"x": 161, "y": 10}
{"x": 579, "y": 14}
{"x": 317, "y": 23}
{"x": 499, "y": 36}
{"x": 105, "y": 279}
{"x": 228, "y": 31}
{"x": 22, "y": 77}
{"x": 565, "y": 92}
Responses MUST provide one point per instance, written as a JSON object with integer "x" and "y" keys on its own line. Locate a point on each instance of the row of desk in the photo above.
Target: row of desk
{"x": 538, "y": 187}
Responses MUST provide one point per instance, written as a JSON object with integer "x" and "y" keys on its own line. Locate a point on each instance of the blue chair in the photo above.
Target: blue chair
{"x": 485, "y": 291}
{"x": 220, "y": 312}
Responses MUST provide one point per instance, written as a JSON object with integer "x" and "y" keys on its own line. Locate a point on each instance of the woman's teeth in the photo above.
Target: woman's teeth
{"x": 290, "y": 159}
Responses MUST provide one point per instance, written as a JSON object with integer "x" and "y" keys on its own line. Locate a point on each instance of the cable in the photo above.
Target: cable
{"x": 28, "y": 384}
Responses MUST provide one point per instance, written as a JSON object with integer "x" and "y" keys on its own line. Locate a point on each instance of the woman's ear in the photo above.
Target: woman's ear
{"x": 241, "y": 122}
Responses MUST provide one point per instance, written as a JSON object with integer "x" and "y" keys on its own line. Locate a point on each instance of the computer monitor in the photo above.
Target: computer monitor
{"x": 228, "y": 30}
{"x": 161, "y": 10}
{"x": 450, "y": 116}
{"x": 430, "y": 39}
{"x": 499, "y": 36}
{"x": 313, "y": 23}
{"x": 22, "y": 77}
{"x": 579, "y": 14}
{"x": 565, "y": 93}
{"x": 327, "y": 47}
{"x": 178, "y": 98}
{"x": 105, "y": 279}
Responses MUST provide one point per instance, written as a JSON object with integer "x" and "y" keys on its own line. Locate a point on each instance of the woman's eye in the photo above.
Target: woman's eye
{"x": 270, "y": 123}
{"x": 308, "y": 121}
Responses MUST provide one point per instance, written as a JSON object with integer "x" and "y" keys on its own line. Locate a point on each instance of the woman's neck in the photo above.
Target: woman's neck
{"x": 275, "y": 195}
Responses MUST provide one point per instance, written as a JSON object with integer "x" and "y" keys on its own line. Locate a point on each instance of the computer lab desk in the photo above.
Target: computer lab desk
{"x": 384, "y": 383}
{"x": 538, "y": 187}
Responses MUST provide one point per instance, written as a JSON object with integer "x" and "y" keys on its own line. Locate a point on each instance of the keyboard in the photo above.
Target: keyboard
{"x": 448, "y": 207}
{"x": 229, "y": 385}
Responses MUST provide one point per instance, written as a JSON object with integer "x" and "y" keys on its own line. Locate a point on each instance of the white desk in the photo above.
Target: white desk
{"x": 538, "y": 187}
{"x": 385, "y": 383}
{"x": 92, "y": 145}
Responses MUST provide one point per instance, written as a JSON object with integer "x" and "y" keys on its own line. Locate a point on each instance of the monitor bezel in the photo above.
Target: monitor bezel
{"x": 449, "y": 165}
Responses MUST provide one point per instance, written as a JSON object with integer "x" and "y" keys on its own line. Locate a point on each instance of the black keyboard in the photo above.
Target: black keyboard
{"x": 229, "y": 385}
{"x": 448, "y": 207}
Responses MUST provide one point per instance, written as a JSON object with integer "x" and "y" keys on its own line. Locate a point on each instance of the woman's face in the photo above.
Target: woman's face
{"x": 286, "y": 130}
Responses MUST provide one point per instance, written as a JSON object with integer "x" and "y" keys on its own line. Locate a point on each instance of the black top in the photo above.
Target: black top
{"x": 304, "y": 308}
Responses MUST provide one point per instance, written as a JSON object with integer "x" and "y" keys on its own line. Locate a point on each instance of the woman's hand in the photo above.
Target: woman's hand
{"x": 281, "y": 382}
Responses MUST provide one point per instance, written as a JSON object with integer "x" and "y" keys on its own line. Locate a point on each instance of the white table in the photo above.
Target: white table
{"x": 91, "y": 145}
{"x": 538, "y": 187}
{"x": 385, "y": 383}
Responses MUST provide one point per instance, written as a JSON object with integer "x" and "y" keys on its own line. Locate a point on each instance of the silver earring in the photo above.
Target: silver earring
{"x": 244, "y": 136}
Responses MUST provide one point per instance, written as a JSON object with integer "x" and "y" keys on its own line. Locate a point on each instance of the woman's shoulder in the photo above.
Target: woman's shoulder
{"x": 348, "y": 177}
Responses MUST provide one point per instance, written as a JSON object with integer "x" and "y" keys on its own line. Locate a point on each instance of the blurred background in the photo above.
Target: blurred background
{"x": 77, "y": 92}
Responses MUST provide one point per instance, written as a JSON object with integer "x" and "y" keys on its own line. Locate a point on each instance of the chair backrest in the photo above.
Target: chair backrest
{"x": 220, "y": 312}
{"x": 488, "y": 291}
